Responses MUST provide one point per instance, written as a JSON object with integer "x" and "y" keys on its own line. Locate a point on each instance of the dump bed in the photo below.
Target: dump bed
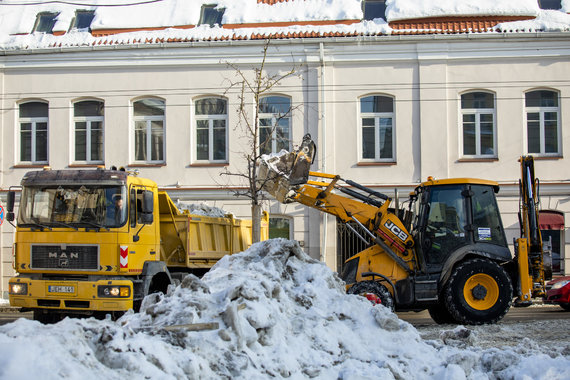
{"x": 198, "y": 241}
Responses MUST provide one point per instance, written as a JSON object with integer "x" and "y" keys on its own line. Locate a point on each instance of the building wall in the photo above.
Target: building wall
{"x": 424, "y": 75}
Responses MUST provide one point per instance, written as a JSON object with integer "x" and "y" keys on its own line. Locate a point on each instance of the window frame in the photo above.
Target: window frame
{"x": 477, "y": 112}
{"x": 88, "y": 120}
{"x": 73, "y": 25}
{"x": 148, "y": 132}
{"x": 275, "y": 118}
{"x": 377, "y": 128}
{"x": 541, "y": 110}
{"x": 52, "y": 21}
{"x": 364, "y": 7}
{"x": 210, "y": 118}
{"x": 33, "y": 135}
{"x": 219, "y": 11}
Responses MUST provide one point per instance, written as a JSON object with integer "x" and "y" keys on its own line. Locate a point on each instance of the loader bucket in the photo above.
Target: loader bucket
{"x": 280, "y": 173}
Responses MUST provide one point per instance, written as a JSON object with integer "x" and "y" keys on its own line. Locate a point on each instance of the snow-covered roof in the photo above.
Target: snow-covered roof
{"x": 129, "y": 22}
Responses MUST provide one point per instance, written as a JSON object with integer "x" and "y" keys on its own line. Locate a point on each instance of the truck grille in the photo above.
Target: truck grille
{"x": 65, "y": 257}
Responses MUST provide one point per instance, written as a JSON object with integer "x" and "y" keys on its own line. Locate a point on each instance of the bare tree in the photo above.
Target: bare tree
{"x": 251, "y": 86}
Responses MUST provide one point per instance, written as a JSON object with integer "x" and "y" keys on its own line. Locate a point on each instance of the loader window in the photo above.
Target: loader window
{"x": 445, "y": 228}
{"x": 487, "y": 224}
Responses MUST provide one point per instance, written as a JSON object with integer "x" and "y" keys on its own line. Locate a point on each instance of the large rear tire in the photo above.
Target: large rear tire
{"x": 372, "y": 287}
{"x": 440, "y": 314}
{"x": 479, "y": 291}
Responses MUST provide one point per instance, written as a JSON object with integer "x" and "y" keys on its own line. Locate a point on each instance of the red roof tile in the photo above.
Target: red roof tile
{"x": 451, "y": 25}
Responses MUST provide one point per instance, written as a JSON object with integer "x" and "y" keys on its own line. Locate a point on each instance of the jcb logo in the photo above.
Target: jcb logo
{"x": 396, "y": 230}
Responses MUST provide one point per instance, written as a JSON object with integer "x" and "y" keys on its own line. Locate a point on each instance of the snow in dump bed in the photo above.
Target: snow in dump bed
{"x": 202, "y": 209}
{"x": 279, "y": 314}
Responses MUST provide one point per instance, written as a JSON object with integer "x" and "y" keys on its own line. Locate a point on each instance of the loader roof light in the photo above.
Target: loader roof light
{"x": 47, "y": 168}
{"x": 430, "y": 178}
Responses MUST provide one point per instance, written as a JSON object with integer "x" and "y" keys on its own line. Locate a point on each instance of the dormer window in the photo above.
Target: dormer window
{"x": 374, "y": 9}
{"x": 45, "y": 22}
{"x": 82, "y": 20}
{"x": 550, "y": 4}
{"x": 211, "y": 15}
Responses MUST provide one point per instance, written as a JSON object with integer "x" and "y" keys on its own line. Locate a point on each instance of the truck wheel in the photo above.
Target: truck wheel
{"x": 479, "y": 291}
{"x": 46, "y": 317}
{"x": 565, "y": 306}
{"x": 440, "y": 314}
{"x": 372, "y": 287}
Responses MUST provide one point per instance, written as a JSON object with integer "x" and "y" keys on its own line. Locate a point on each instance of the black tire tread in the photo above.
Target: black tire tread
{"x": 376, "y": 288}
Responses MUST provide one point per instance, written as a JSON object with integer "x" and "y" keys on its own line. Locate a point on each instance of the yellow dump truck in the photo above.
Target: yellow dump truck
{"x": 96, "y": 242}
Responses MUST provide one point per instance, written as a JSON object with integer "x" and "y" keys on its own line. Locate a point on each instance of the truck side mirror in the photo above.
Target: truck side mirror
{"x": 147, "y": 207}
{"x": 10, "y": 206}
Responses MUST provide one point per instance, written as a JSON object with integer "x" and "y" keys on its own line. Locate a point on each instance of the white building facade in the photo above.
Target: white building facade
{"x": 386, "y": 111}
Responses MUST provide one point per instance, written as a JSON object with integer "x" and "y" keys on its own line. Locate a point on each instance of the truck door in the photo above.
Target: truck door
{"x": 444, "y": 229}
{"x": 143, "y": 236}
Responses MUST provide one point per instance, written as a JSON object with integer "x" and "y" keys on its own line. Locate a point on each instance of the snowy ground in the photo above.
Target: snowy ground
{"x": 274, "y": 312}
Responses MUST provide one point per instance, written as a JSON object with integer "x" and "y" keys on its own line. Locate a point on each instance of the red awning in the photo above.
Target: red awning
{"x": 550, "y": 220}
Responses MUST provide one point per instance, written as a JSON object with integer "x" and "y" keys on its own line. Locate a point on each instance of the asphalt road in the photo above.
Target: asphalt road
{"x": 515, "y": 314}
{"x": 422, "y": 318}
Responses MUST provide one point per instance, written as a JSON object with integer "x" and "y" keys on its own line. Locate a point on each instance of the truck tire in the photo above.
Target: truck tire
{"x": 565, "y": 306}
{"x": 479, "y": 291}
{"x": 373, "y": 287}
{"x": 440, "y": 314}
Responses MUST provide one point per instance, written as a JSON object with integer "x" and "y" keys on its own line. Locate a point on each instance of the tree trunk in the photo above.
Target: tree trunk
{"x": 256, "y": 223}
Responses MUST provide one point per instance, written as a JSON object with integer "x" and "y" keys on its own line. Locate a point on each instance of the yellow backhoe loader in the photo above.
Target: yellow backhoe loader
{"x": 446, "y": 251}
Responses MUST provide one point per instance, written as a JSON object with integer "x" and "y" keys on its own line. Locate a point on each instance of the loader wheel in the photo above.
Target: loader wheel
{"x": 479, "y": 291}
{"x": 372, "y": 287}
{"x": 440, "y": 314}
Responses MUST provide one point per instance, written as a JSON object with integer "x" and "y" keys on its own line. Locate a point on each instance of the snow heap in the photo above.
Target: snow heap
{"x": 410, "y": 9}
{"x": 202, "y": 209}
{"x": 275, "y": 313}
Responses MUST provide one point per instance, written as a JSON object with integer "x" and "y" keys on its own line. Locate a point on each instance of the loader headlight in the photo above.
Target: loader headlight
{"x": 560, "y": 284}
{"x": 113, "y": 291}
{"x": 18, "y": 288}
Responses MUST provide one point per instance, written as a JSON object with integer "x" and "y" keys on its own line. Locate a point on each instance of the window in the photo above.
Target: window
{"x": 279, "y": 227}
{"x": 33, "y": 122}
{"x": 274, "y": 123}
{"x": 550, "y": 4}
{"x": 211, "y": 129}
{"x": 542, "y": 122}
{"x": 374, "y": 9}
{"x": 211, "y": 15}
{"x": 377, "y": 122}
{"x": 88, "y": 120}
{"x": 82, "y": 20}
{"x": 478, "y": 117}
{"x": 45, "y": 22}
{"x": 149, "y": 130}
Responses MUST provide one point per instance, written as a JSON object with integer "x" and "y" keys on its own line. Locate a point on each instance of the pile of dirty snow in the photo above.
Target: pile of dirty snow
{"x": 270, "y": 311}
{"x": 202, "y": 209}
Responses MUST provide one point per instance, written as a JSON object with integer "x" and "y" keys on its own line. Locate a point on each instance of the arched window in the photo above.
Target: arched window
{"x": 274, "y": 123}
{"x": 33, "y": 120}
{"x": 148, "y": 116}
{"x": 88, "y": 120}
{"x": 377, "y": 123}
{"x": 211, "y": 129}
{"x": 542, "y": 122}
{"x": 478, "y": 123}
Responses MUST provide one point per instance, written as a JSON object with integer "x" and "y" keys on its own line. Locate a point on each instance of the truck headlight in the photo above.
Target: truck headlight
{"x": 114, "y": 291}
{"x": 17, "y": 288}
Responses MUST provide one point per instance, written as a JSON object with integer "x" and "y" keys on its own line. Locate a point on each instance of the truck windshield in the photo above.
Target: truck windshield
{"x": 74, "y": 206}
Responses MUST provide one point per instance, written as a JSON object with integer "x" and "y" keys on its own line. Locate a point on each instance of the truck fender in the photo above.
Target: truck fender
{"x": 489, "y": 251}
{"x": 157, "y": 271}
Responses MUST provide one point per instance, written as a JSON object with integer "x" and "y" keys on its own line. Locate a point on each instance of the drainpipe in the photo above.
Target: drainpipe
{"x": 323, "y": 138}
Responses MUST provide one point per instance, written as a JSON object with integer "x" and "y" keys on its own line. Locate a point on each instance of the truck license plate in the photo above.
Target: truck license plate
{"x": 61, "y": 289}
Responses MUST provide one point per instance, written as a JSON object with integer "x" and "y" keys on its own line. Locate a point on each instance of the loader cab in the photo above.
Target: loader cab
{"x": 456, "y": 217}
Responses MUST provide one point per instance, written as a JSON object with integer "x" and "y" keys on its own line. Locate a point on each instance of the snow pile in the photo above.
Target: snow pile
{"x": 410, "y": 9}
{"x": 202, "y": 209}
{"x": 279, "y": 314}
{"x": 547, "y": 21}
